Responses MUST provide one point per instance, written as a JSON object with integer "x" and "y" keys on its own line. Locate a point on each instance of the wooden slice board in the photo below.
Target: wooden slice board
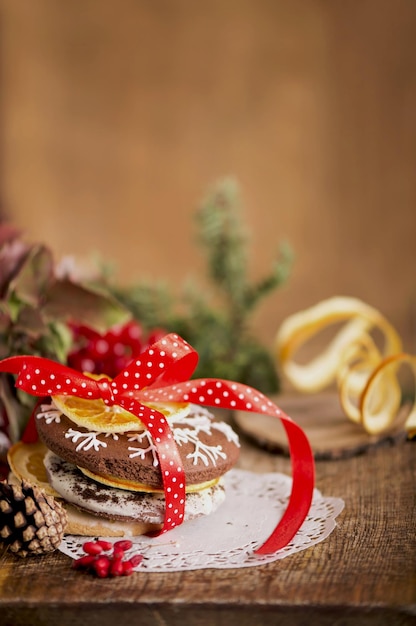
{"x": 331, "y": 434}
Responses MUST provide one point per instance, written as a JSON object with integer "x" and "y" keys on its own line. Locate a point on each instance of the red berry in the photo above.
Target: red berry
{"x": 127, "y": 568}
{"x": 92, "y": 547}
{"x": 132, "y": 333}
{"x": 106, "y": 353}
{"x": 136, "y": 559}
{"x": 123, "y": 544}
{"x": 83, "y": 331}
{"x": 106, "y": 545}
{"x": 101, "y": 566}
{"x": 118, "y": 553}
{"x": 117, "y": 567}
{"x": 83, "y": 562}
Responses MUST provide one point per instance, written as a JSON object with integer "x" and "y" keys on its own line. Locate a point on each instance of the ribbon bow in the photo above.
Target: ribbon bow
{"x": 162, "y": 374}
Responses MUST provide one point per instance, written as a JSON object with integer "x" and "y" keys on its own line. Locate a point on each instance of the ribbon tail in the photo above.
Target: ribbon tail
{"x": 235, "y": 396}
{"x": 303, "y": 477}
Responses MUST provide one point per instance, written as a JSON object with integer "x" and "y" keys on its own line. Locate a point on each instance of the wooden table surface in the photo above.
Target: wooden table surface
{"x": 363, "y": 573}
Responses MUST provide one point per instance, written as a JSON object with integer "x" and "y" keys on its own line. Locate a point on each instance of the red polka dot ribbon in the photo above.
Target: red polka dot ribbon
{"x": 162, "y": 374}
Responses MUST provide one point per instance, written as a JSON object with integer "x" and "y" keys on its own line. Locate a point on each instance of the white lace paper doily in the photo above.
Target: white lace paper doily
{"x": 229, "y": 537}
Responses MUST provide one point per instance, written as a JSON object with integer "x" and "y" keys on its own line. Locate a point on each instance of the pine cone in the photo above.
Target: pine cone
{"x": 31, "y": 522}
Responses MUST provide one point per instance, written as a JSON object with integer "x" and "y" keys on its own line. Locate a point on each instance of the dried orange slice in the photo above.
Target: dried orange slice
{"x": 170, "y": 409}
{"x": 97, "y": 416}
{"x": 363, "y": 358}
{"x": 26, "y": 461}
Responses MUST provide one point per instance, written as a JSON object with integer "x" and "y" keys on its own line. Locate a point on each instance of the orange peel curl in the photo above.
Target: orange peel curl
{"x": 363, "y": 358}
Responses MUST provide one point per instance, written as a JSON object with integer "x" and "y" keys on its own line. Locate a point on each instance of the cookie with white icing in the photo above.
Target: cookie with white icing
{"x": 208, "y": 448}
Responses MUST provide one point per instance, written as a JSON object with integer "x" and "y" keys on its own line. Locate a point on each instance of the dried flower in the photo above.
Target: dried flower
{"x": 36, "y": 308}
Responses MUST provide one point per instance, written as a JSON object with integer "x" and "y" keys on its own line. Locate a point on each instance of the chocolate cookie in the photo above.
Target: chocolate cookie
{"x": 119, "y": 504}
{"x": 208, "y": 448}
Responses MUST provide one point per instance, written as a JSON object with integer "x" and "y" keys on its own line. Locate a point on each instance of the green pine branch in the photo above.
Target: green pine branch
{"x": 218, "y": 327}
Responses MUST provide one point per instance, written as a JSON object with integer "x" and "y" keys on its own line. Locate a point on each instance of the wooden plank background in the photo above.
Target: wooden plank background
{"x": 117, "y": 115}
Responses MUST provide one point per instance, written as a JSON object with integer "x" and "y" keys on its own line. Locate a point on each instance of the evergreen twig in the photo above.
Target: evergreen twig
{"x": 220, "y": 332}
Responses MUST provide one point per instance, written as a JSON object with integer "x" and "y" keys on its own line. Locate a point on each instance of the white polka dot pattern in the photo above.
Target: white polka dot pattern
{"x": 162, "y": 373}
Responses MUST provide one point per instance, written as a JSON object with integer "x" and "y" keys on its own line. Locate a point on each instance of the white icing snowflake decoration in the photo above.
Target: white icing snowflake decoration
{"x": 87, "y": 440}
{"x": 49, "y": 413}
{"x": 141, "y": 452}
